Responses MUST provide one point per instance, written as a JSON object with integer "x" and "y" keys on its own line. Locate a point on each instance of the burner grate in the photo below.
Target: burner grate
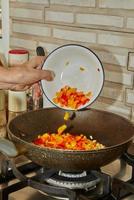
{"x": 72, "y": 175}
{"x": 121, "y": 188}
{"x": 100, "y": 188}
{"x": 38, "y": 181}
{"x": 84, "y": 180}
{"x": 24, "y": 169}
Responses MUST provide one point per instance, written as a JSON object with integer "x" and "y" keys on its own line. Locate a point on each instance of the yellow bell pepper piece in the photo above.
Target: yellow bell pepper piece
{"x": 62, "y": 128}
{"x": 66, "y": 116}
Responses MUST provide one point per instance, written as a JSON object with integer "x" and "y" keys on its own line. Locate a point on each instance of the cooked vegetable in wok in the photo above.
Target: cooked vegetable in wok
{"x": 62, "y": 140}
{"x": 68, "y": 141}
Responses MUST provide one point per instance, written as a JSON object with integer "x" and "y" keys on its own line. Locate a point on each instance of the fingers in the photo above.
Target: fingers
{"x": 47, "y": 75}
{"x": 39, "y": 60}
{"x": 17, "y": 87}
{"x": 36, "y": 62}
{"x": 5, "y": 86}
{"x": 37, "y": 92}
{"x": 14, "y": 87}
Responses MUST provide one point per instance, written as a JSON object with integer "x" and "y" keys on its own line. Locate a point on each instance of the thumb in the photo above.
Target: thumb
{"x": 47, "y": 75}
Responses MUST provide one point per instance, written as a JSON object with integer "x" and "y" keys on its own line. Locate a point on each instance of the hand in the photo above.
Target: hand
{"x": 21, "y": 77}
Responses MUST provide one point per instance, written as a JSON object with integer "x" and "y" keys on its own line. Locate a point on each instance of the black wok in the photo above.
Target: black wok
{"x": 114, "y": 131}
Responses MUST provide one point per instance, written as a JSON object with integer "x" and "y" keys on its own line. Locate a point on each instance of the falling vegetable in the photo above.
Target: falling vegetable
{"x": 66, "y": 116}
{"x": 62, "y": 128}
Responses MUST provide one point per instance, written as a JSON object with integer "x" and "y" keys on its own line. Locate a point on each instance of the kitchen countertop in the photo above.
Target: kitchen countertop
{"x": 29, "y": 193}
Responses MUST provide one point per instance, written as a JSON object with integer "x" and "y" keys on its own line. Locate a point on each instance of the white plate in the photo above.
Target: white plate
{"x": 75, "y": 66}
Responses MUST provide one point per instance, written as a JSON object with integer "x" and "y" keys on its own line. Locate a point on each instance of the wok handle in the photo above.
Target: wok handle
{"x": 8, "y": 148}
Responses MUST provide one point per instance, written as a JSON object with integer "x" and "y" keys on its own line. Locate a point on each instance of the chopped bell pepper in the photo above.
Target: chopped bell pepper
{"x": 66, "y": 116}
{"x": 62, "y": 128}
{"x": 71, "y": 97}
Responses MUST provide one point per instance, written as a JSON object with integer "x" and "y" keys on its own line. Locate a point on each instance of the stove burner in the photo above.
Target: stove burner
{"x": 84, "y": 180}
{"x": 99, "y": 184}
{"x": 73, "y": 175}
{"x": 87, "y": 185}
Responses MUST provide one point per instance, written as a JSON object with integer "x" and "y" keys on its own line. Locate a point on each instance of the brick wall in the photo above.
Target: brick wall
{"x": 105, "y": 26}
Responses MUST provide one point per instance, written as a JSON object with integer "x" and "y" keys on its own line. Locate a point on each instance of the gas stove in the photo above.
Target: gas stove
{"x": 85, "y": 185}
